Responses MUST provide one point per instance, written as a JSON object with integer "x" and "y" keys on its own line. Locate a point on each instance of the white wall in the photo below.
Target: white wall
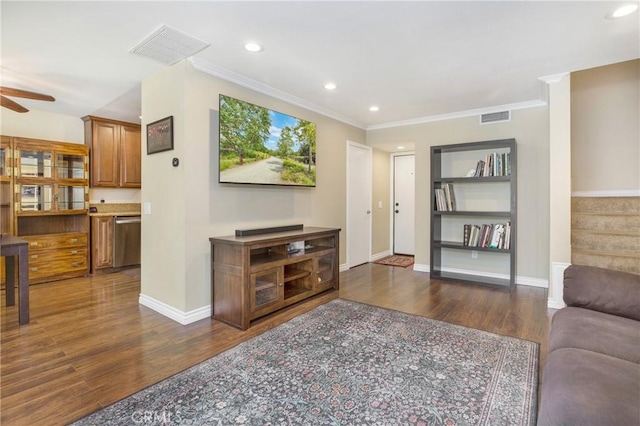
{"x": 605, "y": 129}
{"x": 188, "y": 204}
{"x": 164, "y": 243}
{"x": 42, "y": 125}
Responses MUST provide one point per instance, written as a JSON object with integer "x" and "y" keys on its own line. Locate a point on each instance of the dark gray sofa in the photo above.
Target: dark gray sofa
{"x": 592, "y": 371}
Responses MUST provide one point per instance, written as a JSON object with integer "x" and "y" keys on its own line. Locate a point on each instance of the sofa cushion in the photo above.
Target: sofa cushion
{"x": 587, "y": 388}
{"x": 604, "y": 290}
{"x": 595, "y": 331}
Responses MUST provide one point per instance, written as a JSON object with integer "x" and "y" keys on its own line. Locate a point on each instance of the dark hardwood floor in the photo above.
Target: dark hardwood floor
{"x": 90, "y": 343}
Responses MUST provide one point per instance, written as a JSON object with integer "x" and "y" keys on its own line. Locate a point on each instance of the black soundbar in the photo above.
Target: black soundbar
{"x": 258, "y": 231}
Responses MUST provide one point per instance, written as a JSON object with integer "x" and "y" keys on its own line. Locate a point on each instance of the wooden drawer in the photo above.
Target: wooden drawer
{"x": 51, "y": 263}
{"x": 44, "y": 257}
{"x": 56, "y": 241}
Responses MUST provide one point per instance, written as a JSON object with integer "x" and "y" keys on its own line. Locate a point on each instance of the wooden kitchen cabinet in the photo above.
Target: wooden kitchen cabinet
{"x": 101, "y": 242}
{"x": 115, "y": 149}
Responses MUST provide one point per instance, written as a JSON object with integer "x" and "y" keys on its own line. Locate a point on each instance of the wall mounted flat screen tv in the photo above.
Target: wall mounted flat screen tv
{"x": 264, "y": 147}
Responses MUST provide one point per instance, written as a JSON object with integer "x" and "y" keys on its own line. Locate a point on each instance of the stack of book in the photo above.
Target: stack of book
{"x": 497, "y": 236}
{"x": 445, "y": 198}
{"x": 495, "y": 164}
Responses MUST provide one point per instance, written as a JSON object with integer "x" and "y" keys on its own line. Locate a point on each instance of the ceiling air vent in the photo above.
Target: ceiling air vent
{"x": 495, "y": 117}
{"x": 169, "y": 45}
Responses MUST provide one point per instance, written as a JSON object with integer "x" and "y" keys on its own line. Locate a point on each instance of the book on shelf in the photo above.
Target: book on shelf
{"x": 466, "y": 234}
{"x": 495, "y": 164}
{"x": 496, "y": 236}
{"x": 445, "y": 198}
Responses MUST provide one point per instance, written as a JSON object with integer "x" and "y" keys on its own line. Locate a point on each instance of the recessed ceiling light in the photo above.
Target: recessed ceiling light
{"x": 621, "y": 11}
{"x": 374, "y": 108}
{"x": 253, "y": 47}
{"x": 330, "y": 86}
{"x": 401, "y": 147}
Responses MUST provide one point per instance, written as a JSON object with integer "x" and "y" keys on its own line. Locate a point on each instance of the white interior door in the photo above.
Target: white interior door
{"x": 359, "y": 182}
{"x": 404, "y": 206}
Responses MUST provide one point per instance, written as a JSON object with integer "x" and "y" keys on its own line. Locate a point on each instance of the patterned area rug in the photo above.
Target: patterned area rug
{"x": 348, "y": 363}
{"x": 396, "y": 260}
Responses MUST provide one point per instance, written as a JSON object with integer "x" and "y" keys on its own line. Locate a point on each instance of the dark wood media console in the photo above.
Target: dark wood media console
{"x": 256, "y": 275}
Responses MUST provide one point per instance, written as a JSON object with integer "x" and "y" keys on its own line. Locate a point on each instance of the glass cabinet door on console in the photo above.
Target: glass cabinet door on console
{"x": 266, "y": 289}
{"x": 325, "y": 271}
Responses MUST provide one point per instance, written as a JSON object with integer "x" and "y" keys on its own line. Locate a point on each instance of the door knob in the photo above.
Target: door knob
{"x": 368, "y": 211}
{"x": 397, "y": 211}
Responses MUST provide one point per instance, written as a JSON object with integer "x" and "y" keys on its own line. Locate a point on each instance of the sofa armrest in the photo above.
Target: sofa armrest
{"x": 604, "y": 290}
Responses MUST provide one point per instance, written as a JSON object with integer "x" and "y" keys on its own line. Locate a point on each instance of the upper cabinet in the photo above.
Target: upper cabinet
{"x": 115, "y": 150}
{"x": 50, "y": 177}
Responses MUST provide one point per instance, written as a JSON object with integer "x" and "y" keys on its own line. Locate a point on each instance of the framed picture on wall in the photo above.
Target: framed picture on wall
{"x": 160, "y": 135}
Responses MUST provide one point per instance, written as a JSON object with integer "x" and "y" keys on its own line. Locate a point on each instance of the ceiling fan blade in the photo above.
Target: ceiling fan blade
{"x": 8, "y": 91}
{"x": 8, "y": 103}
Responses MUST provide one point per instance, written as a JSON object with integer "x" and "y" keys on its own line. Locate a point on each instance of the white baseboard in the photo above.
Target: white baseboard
{"x": 381, "y": 255}
{"x": 553, "y": 304}
{"x": 177, "y": 315}
{"x": 520, "y": 280}
{"x": 421, "y": 267}
{"x": 532, "y": 282}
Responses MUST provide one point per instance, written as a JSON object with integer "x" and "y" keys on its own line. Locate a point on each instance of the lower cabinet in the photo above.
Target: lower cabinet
{"x": 58, "y": 245}
{"x": 101, "y": 242}
{"x": 256, "y": 275}
{"x": 57, "y": 256}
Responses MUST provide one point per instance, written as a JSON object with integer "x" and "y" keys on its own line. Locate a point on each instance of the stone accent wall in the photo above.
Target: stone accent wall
{"x": 605, "y": 232}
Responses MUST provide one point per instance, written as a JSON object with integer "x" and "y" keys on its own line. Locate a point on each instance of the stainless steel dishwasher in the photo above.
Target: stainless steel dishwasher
{"x": 126, "y": 241}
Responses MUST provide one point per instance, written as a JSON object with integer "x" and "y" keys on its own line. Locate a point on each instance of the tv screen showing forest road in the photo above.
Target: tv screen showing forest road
{"x": 265, "y": 147}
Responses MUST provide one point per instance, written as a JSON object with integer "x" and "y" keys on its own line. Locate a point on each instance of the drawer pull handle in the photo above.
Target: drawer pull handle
{"x": 74, "y": 251}
{"x": 34, "y": 269}
{"x": 75, "y": 263}
{"x": 74, "y": 240}
{"x": 34, "y": 244}
{"x": 34, "y": 256}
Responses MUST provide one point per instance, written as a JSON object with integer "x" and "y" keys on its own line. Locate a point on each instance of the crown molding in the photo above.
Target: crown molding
{"x": 460, "y": 114}
{"x": 554, "y": 78}
{"x": 265, "y": 89}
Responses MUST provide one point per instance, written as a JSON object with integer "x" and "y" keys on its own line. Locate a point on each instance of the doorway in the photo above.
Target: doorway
{"x": 404, "y": 205}
{"x": 359, "y": 194}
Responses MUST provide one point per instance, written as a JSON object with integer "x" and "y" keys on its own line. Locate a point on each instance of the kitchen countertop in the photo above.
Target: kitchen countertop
{"x": 122, "y": 213}
{"x": 116, "y": 209}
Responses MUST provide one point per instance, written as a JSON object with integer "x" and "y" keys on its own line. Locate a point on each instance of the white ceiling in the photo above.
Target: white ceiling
{"x": 413, "y": 59}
